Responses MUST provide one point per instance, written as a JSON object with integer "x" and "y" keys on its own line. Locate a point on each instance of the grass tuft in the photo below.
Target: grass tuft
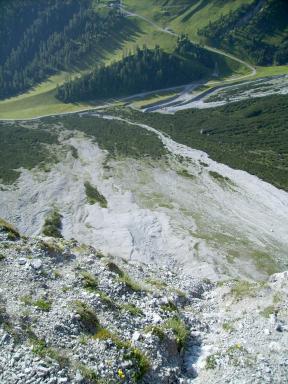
{"x": 89, "y": 281}
{"x": 53, "y": 224}
{"x": 89, "y": 375}
{"x": 13, "y": 234}
{"x": 132, "y": 309}
{"x": 129, "y": 283}
{"x": 243, "y": 289}
{"x": 40, "y": 348}
{"x": 179, "y": 329}
{"x": 114, "y": 268}
{"x": 87, "y": 316}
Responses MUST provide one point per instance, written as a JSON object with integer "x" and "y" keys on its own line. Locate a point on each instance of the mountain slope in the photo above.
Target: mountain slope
{"x": 104, "y": 41}
{"x": 254, "y": 29}
{"x": 258, "y": 31}
{"x": 145, "y": 70}
{"x": 85, "y": 317}
{"x": 53, "y": 36}
{"x": 249, "y": 135}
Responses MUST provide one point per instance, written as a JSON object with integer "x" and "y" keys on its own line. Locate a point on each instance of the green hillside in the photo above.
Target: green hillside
{"x": 54, "y": 36}
{"x": 250, "y": 135}
{"x": 258, "y": 31}
{"x": 46, "y": 43}
{"x": 186, "y": 16}
{"x": 253, "y": 29}
{"x": 145, "y": 70}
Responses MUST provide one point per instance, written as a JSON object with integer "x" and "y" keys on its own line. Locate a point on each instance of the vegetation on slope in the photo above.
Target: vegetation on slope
{"x": 27, "y": 147}
{"x": 49, "y": 37}
{"x": 94, "y": 196}
{"x": 117, "y": 137}
{"x": 145, "y": 70}
{"x": 124, "y": 36}
{"x": 250, "y": 135}
{"x": 22, "y": 147}
{"x": 258, "y": 30}
{"x": 53, "y": 224}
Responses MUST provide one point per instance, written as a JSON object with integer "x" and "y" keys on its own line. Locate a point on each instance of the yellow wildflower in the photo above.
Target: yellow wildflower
{"x": 121, "y": 374}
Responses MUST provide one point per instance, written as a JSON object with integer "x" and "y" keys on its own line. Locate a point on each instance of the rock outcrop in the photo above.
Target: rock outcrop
{"x": 69, "y": 314}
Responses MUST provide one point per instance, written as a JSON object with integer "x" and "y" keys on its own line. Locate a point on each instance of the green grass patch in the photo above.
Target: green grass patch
{"x": 211, "y": 361}
{"x": 106, "y": 299}
{"x": 89, "y": 375}
{"x": 40, "y": 348}
{"x": 142, "y": 363}
{"x": 94, "y": 196}
{"x": 23, "y": 148}
{"x": 264, "y": 262}
{"x": 105, "y": 334}
{"x": 157, "y": 283}
{"x": 132, "y": 309}
{"x": 242, "y": 289}
{"x": 117, "y": 137}
{"x": 12, "y": 233}
{"x": 266, "y": 312}
{"x": 218, "y": 177}
{"x": 186, "y": 174}
{"x": 156, "y": 330}
{"x": 114, "y": 268}
{"x": 228, "y": 327}
{"x": 53, "y": 224}
{"x": 179, "y": 329}
{"x": 89, "y": 281}
{"x": 258, "y": 144}
{"x": 42, "y": 304}
{"x": 170, "y": 307}
{"x": 130, "y": 283}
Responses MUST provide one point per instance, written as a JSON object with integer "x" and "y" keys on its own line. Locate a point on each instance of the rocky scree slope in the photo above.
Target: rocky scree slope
{"x": 69, "y": 314}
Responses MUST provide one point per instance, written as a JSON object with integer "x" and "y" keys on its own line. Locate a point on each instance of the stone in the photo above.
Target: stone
{"x": 42, "y": 370}
{"x": 156, "y": 318}
{"x": 279, "y": 327}
{"x": 62, "y": 380}
{"x": 78, "y": 377}
{"x": 192, "y": 371}
{"x": 164, "y": 301}
{"x": 36, "y": 264}
{"x": 5, "y": 338}
{"x": 136, "y": 336}
{"x": 22, "y": 261}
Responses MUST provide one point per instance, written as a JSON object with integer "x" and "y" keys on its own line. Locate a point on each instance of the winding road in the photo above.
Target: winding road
{"x": 183, "y": 97}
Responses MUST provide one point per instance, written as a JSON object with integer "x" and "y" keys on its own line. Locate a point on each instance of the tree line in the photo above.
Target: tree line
{"x": 144, "y": 70}
{"x": 40, "y": 38}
